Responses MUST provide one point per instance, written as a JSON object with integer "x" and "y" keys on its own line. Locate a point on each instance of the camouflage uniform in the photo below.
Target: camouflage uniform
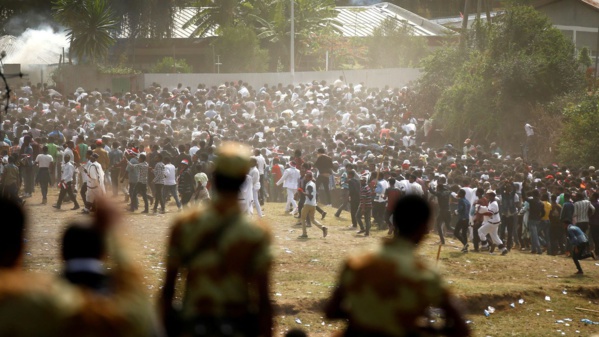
{"x": 227, "y": 259}
{"x": 34, "y": 305}
{"x": 39, "y": 305}
{"x": 217, "y": 277}
{"x": 384, "y": 293}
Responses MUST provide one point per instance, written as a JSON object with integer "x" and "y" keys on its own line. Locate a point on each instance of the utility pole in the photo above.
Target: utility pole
{"x": 292, "y": 47}
{"x": 596, "y": 62}
{"x": 218, "y": 64}
{"x": 465, "y": 15}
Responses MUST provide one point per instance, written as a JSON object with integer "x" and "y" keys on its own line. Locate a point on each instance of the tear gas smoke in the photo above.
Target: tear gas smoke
{"x": 40, "y": 45}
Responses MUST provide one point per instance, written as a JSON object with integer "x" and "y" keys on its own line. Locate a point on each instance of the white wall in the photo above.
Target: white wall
{"x": 397, "y": 77}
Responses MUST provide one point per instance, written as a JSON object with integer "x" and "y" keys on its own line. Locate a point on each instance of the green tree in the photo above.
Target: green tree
{"x": 214, "y": 14}
{"x": 393, "y": 44}
{"x": 311, "y": 18}
{"x": 240, "y": 51}
{"x": 171, "y": 65}
{"x": 344, "y": 52}
{"x": 584, "y": 57}
{"x": 91, "y": 26}
{"x": 11, "y": 9}
{"x": 578, "y": 142}
{"x": 484, "y": 92}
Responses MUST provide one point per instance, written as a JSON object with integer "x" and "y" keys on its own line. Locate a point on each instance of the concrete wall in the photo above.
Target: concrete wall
{"x": 571, "y": 13}
{"x": 89, "y": 78}
{"x": 574, "y": 14}
{"x": 398, "y": 77}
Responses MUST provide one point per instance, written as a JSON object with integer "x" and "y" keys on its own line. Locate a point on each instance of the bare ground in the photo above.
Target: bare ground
{"x": 305, "y": 272}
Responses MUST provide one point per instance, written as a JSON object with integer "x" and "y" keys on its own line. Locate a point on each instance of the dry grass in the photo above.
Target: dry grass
{"x": 305, "y": 272}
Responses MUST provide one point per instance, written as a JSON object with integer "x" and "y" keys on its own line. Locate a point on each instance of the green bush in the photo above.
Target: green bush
{"x": 578, "y": 143}
{"x": 489, "y": 90}
{"x": 171, "y": 65}
{"x": 239, "y": 50}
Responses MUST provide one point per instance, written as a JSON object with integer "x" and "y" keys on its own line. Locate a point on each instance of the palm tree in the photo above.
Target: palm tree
{"x": 146, "y": 18}
{"x": 212, "y": 14}
{"x": 91, "y": 26}
{"x": 311, "y": 18}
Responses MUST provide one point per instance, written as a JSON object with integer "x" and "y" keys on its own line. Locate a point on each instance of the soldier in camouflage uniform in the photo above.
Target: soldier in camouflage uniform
{"x": 227, "y": 259}
{"x": 40, "y": 305}
{"x": 386, "y": 292}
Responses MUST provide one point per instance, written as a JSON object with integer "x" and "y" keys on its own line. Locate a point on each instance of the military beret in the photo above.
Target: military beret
{"x": 233, "y": 160}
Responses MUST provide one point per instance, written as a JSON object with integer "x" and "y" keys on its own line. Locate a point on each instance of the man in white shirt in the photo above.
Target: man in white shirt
{"x": 290, "y": 180}
{"x": 379, "y": 201}
{"x": 44, "y": 164}
{"x": 529, "y": 129}
{"x": 261, "y": 165}
{"x": 410, "y": 186}
{"x": 170, "y": 181}
{"x": 310, "y": 207}
{"x": 95, "y": 182}
{"x": 245, "y": 195}
{"x": 194, "y": 148}
{"x": 66, "y": 183}
{"x": 255, "y": 174}
{"x": 84, "y": 181}
{"x": 491, "y": 224}
{"x": 409, "y": 139}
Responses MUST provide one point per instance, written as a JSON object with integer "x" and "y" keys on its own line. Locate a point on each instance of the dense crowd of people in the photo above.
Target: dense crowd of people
{"x": 358, "y": 148}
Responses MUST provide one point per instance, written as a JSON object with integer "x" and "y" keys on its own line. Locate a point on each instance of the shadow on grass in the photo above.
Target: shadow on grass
{"x": 288, "y": 309}
{"x": 285, "y": 309}
{"x": 457, "y": 255}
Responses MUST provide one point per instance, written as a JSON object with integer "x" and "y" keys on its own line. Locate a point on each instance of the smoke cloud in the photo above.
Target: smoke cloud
{"x": 37, "y": 46}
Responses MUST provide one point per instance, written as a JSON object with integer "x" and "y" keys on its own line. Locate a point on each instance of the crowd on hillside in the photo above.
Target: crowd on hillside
{"x": 313, "y": 144}
{"x": 159, "y": 143}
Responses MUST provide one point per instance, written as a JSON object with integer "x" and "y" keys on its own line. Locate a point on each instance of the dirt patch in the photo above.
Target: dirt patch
{"x": 475, "y": 304}
{"x": 305, "y": 271}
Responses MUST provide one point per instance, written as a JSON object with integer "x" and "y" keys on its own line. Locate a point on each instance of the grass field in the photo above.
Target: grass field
{"x": 305, "y": 272}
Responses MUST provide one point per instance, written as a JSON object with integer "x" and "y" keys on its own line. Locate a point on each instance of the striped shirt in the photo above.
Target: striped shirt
{"x": 366, "y": 197}
{"x": 159, "y": 173}
{"x": 581, "y": 210}
{"x": 142, "y": 172}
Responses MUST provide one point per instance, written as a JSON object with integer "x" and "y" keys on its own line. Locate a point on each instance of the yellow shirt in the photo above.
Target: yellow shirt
{"x": 547, "y": 206}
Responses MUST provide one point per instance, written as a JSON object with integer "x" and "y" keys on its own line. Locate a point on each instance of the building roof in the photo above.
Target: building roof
{"x": 18, "y": 52}
{"x": 357, "y": 21}
{"x": 592, "y": 3}
{"x": 456, "y": 21}
{"x": 8, "y": 44}
{"x": 361, "y": 21}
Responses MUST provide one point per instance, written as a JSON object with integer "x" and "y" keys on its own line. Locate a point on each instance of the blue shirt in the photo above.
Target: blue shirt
{"x": 463, "y": 209}
{"x": 576, "y": 236}
{"x": 133, "y": 173}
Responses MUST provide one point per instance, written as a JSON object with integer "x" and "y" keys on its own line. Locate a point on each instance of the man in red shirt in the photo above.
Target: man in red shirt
{"x": 277, "y": 173}
{"x": 392, "y": 194}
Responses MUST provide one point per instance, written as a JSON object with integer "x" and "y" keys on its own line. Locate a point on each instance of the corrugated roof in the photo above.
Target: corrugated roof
{"x": 594, "y": 3}
{"x": 361, "y": 21}
{"x": 44, "y": 54}
{"x": 456, "y": 21}
{"x": 181, "y": 17}
{"x": 541, "y": 3}
{"x": 357, "y": 21}
{"x": 8, "y": 44}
